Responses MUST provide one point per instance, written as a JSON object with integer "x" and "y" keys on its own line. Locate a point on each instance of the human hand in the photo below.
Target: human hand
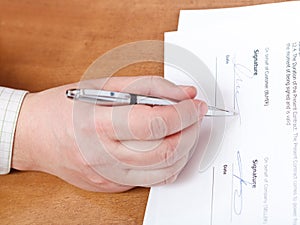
{"x": 109, "y": 149}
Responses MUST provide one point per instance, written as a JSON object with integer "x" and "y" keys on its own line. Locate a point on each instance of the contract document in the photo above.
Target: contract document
{"x": 251, "y": 175}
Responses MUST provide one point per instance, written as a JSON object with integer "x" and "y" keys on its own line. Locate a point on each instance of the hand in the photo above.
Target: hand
{"x": 109, "y": 149}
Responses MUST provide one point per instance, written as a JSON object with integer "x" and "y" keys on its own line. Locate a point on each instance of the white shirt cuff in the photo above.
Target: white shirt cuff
{"x": 10, "y": 105}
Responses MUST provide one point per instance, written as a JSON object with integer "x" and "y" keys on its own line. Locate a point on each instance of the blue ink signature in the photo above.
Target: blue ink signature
{"x": 238, "y": 192}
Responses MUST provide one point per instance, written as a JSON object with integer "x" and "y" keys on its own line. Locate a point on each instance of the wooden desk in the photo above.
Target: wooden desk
{"x": 45, "y": 43}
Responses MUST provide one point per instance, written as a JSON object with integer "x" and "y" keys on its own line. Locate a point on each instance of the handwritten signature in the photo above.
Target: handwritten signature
{"x": 240, "y": 73}
{"x": 237, "y": 203}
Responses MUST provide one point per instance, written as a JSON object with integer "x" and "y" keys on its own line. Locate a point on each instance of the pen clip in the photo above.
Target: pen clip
{"x": 100, "y": 97}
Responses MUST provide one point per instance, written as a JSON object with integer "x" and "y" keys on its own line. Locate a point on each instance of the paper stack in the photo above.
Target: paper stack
{"x": 246, "y": 59}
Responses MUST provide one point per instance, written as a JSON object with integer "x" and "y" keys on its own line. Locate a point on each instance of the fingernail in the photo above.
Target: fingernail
{"x": 191, "y": 90}
{"x": 202, "y": 108}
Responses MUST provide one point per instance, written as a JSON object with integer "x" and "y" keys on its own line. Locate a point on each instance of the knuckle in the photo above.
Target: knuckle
{"x": 158, "y": 128}
{"x": 172, "y": 179}
{"x": 168, "y": 153}
{"x": 153, "y": 81}
{"x": 191, "y": 114}
{"x": 98, "y": 180}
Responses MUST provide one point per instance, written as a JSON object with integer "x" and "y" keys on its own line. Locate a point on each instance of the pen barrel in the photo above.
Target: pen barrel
{"x": 104, "y": 101}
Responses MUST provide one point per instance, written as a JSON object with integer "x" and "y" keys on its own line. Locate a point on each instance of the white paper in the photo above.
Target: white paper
{"x": 257, "y": 162}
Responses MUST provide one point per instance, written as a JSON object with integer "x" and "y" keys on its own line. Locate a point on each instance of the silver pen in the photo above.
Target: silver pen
{"x": 113, "y": 98}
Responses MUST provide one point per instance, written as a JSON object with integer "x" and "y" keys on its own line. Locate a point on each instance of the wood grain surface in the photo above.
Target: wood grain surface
{"x": 46, "y": 43}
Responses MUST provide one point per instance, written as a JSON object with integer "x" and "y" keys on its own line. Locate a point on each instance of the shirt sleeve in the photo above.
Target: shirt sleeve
{"x": 10, "y": 104}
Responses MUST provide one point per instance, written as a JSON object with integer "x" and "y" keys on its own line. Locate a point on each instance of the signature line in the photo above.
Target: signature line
{"x": 234, "y": 91}
{"x": 212, "y": 196}
{"x": 216, "y": 81}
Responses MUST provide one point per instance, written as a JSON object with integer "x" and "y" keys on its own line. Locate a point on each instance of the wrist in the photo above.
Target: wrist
{"x": 22, "y": 153}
